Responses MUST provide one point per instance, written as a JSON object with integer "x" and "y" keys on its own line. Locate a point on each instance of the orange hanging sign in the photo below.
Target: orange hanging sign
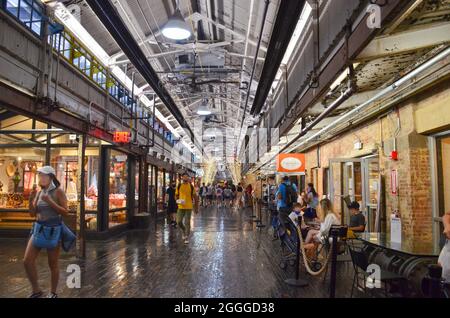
{"x": 122, "y": 137}
{"x": 291, "y": 163}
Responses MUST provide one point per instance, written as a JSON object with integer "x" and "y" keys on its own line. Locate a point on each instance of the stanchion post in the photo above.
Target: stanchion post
{"x": 260, "y": 221}
{"x": 297, "y": 282}
{"x": 334, "y": 237}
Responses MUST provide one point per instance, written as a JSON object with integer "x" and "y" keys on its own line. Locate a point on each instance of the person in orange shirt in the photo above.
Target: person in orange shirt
{"x": 187, "y": 201}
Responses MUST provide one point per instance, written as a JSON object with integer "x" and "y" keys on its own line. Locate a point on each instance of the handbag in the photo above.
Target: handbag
{"x": 68, "y": 238}
{"x": 44, "y": 236}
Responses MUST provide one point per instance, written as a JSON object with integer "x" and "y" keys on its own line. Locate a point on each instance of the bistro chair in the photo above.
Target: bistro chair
{"x": 360, "y": 265}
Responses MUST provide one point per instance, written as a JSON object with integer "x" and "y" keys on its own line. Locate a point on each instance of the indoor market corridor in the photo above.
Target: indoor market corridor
{"x": 227, "y": 257}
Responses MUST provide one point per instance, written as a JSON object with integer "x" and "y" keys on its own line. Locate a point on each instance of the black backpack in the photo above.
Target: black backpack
{"x": 291, "y": 195}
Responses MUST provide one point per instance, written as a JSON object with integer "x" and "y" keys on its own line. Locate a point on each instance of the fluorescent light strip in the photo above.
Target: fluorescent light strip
{"x": 71, "y": 23}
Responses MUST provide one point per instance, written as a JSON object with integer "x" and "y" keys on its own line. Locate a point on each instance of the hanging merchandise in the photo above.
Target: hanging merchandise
{"x": 10, "y": 169}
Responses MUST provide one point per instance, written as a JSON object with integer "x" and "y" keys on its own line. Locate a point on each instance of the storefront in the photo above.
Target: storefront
{"x": 111, "y": 193}
{"x": 160, "y": 175}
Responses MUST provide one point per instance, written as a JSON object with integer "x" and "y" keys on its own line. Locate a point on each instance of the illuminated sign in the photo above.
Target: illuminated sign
{"x": 122, "y": 137}
{"x": 291, "y": 163}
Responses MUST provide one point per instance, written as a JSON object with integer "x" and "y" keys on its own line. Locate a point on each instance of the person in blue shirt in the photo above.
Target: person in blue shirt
{"x": 282, "y": 204}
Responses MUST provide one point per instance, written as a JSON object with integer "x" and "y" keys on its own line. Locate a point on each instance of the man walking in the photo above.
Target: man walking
{"x": 202, "y": 192}
{"x": 187, "y": 201}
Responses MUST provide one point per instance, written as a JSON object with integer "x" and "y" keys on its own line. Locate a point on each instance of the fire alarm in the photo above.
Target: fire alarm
{"x": 394, "y": 155}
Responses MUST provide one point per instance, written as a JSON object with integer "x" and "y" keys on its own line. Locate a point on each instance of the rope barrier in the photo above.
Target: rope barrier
{"x": 305, "y": 260}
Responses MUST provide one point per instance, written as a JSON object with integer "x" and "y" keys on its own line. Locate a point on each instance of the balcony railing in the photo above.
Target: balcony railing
{"x": 30, "y": 13}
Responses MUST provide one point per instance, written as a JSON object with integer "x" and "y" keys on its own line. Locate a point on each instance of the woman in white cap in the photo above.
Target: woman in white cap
{"x": 49, "y": 205}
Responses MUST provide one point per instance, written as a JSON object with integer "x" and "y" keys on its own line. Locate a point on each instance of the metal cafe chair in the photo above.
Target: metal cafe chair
{"x": 360, "y": 265}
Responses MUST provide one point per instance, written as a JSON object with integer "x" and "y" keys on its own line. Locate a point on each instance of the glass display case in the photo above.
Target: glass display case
{"x": 152, "y": 174}
{"x": 65, "y": 162}
{"x": 161, "y": 185}
{"x": 136, "y": 186}
{"x": 18, "y": 184}
{"x": 118, "y": 187}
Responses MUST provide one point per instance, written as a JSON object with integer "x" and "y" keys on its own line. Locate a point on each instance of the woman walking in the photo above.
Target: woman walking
{"x": 49, "y": 205}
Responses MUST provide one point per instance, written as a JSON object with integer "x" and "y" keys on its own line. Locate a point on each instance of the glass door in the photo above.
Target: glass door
{"x": 345, "y": 185}
{"x": 440, "y": 153}
{"x": 372, "y": 190}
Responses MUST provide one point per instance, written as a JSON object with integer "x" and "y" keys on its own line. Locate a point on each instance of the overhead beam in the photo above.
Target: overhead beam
{"x": 361, "y": 35}
{"x": 198, "y": 17}
{"x": 110, "y": 18}
{"x": 407, "y": 41}
{"x": 287, "y": 18}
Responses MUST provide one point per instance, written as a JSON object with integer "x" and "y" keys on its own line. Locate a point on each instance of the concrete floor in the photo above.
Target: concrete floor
{"x": 226, "y": 257}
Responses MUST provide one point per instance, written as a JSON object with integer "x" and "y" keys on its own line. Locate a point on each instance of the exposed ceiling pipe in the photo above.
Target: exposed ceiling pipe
{"x": 110, "y": 18}
{"x": 338, "y": 102}
{"x": 263, "y": 24}
{"x": 387, "y": 90}
{"x": 391, "y": 88}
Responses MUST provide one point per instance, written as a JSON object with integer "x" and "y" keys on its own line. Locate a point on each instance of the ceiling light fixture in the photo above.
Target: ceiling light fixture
{"x": 203, "y": 109}
{"x": 177, "y": 28}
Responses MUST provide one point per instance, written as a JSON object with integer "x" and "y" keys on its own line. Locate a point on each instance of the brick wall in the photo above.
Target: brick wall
{"x": 414, "y": 197}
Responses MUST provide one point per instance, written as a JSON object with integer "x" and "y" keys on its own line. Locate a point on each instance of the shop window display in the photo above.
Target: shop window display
{"x": 18, "y": 184}
{"x": 65, "y": 162}
{"x": 136, "y": 187}
{"x": 161, "y": 191}
{"x": 118, "y": 176}
{"x": 151, "y": 188}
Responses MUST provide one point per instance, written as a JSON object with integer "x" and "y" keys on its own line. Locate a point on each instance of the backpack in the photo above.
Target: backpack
{"x": 192, "y": 190}
{"x": 291, "y": 195}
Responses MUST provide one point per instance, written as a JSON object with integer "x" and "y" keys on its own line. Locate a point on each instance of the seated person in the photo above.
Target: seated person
{"x": 357, "y": 219}
{"x": 296, "y": 213}
{"x": 294, "y": 216}
{"x": 310, "y": 214}
{"x": 444, "y": 257}
{"x": 331, "y": 218}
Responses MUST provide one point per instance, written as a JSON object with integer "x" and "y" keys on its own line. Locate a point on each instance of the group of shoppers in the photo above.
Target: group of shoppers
{"x": 49, "y": 205}
{"x": 289, "y": 203}
{"x": 221, "y": 195}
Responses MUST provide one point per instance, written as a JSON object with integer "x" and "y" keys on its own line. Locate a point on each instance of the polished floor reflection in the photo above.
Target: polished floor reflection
{"x": 226, "y": 257}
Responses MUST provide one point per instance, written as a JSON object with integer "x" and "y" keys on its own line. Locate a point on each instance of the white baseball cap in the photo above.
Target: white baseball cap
{"x": 46, "y": 170}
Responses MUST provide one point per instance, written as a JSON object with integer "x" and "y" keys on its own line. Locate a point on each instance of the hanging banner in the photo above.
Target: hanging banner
{"x": 291, "y": 163}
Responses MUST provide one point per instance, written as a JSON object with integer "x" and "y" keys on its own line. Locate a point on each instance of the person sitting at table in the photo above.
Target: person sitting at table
{"x": 444, "y": 257}
{"x": 331, "y": 218}
{"x": 357, "y": 219}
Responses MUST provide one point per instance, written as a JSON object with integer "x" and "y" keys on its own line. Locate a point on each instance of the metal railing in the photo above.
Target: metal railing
{"x": 30, "y": 13}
